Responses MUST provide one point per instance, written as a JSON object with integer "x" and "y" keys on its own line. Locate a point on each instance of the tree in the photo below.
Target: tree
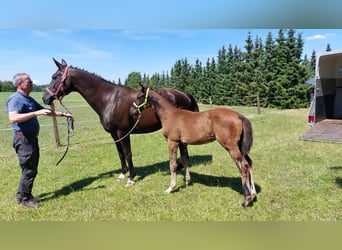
{"x": 313, "y": 63}
{"x": 6, "y": 86}
{"x": 180, "y": 75}
{"x": 133, "y": 79}
{"x": 276, "y": 70}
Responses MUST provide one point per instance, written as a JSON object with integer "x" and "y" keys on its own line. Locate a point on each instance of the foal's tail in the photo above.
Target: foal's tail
{"x": 246, "y": 139}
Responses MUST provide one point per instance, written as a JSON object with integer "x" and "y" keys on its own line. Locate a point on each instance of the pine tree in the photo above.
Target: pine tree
{"x": 313, "y": 63}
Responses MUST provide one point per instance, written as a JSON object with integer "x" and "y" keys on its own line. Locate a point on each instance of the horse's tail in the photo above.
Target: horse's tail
{"x": 246, "y": 139}
{"x": 194, "y": 106}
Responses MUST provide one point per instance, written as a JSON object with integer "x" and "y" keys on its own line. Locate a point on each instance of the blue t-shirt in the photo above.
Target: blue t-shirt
{"x": 24, "y": 104}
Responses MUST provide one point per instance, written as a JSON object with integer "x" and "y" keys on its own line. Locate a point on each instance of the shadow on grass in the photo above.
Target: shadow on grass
{"x": 142, "y": 172}
{"x": 338, "y": 180}
{"x": 76, "y": 186}
{"x": 208, "y": 180}
{"x": 233, "y": 183}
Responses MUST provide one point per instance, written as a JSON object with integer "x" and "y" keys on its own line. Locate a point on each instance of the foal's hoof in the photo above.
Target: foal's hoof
{"x": 129, "y": 183}
{"x": 169, "y": 190}
{"x": 245, "y": 204}
{"x": 248, "y": 200}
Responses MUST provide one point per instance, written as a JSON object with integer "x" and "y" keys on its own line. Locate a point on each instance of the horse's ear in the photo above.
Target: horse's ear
{"x": 64, "y": 62}
{"x": 58, "y": 64}
{"x": 140, "y": 86}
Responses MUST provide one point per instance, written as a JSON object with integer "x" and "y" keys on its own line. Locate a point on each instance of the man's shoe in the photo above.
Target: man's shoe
{"x": 30, "y": 204}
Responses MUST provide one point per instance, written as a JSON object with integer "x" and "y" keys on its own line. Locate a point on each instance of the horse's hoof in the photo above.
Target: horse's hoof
{"x": 129, "y": 183}
{"x": 121, "y": 176}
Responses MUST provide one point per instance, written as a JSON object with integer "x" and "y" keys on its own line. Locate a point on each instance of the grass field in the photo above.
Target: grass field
{"x": 295, "y": 180}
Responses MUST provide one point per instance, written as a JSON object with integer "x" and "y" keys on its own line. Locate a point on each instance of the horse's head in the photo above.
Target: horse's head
{"x": 59, "y": 85}
{"x": 142, "y": 100}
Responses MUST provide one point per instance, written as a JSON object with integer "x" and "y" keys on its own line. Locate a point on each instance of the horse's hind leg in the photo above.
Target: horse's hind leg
{"x": 251, "y": 179}
{"x": 245, "y": 167}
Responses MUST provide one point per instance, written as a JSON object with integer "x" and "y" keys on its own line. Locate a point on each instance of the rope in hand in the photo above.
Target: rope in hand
{"x": 70, "y": 133}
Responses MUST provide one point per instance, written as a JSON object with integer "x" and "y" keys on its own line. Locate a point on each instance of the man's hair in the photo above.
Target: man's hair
{"x": 18, "y": 78}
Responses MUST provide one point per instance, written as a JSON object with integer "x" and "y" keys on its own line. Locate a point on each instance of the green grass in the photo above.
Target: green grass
{"x": 295, "y": 180}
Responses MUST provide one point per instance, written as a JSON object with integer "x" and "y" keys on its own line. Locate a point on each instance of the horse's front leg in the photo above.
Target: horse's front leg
{"x": 126, "y": 146}
{"x": 124, "y": 168}
{"x": 173, "y": 164}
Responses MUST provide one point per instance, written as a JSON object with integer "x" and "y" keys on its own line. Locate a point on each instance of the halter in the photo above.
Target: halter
{"x": 59, "y": 87}
{"x": 142, "y": 104}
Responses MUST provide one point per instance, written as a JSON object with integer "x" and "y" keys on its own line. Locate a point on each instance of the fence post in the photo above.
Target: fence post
{"x": 258, "y": 103}
{"x": 55, "y": 128}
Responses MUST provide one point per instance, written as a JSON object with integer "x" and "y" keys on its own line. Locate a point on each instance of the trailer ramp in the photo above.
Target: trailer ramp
{"x": 328, "y": 130}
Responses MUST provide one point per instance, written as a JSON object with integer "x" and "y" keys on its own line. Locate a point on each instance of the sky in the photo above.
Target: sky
{"x": 113, "y": 38}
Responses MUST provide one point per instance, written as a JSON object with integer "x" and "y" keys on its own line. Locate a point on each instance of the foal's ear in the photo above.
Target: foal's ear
{"x": 143, "y": 87}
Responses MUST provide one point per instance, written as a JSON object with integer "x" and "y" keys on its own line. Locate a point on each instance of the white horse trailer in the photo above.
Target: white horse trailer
{"x": 325, "y": 115}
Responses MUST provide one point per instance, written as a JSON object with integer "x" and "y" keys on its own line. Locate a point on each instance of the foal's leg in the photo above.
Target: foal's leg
{"x": 185, "y": 162}
{"x": 250, "y": 179}
{"x": 244, "y": 165}
{"x": 182, "y": 148}
{"x": 173, "y": 164}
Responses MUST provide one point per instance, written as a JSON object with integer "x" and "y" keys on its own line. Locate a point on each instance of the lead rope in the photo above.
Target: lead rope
{"x": 70, "y": 132}
{"x": 130, "y": 131}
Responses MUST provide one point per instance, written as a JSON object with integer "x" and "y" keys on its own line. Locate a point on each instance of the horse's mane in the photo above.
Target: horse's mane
{"x": 96, "y": 76}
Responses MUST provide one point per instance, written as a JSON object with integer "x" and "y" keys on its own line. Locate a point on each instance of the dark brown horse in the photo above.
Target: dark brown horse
{"x": 182, "y": 127}
{"x": 112, "y": 103}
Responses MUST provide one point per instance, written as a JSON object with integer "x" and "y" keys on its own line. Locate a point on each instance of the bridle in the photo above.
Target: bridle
{"x": 70, "y": 120}
{"x": 59, "y": 87}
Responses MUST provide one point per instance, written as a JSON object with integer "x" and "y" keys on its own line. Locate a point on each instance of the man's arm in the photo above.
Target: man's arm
{"x": 16, "y": 117}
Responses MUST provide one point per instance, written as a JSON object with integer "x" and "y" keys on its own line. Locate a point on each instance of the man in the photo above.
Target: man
{"x": 22, "y": 112}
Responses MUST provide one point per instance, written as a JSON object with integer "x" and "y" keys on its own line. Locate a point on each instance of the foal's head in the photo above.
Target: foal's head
{"x": 142, "y": 101}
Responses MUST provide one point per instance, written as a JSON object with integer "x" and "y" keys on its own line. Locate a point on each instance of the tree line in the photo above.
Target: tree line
{"x": 7, "y": 86}
{"x": 275, "y": 69}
